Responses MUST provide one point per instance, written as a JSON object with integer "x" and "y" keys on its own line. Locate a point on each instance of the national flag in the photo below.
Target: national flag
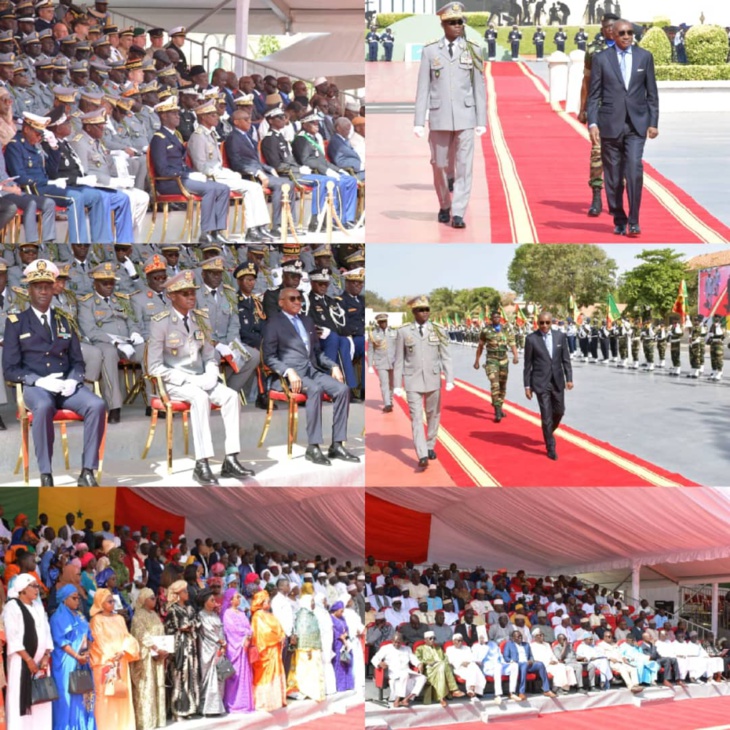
{"x": 520, "y": 320}
{"x": 534, "y": 321}
{"x": 502, "y": 315}
{"x": 574, "y": 313}
{"x": 612, "y": 311}
{"x": 681, "y": 305}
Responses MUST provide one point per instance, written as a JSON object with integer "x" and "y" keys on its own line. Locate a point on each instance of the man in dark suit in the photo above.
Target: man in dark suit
{"x": 341, "y": 152}
{"x": 468, "y": 629}
{"x": 291, "y": 349}
{"x": 517, "y": 652}
{"x": 547, "y": 373}
{"x": 42, "y": 351}
{"x": 243, "y": 157}
{"x": 623, "y": 110}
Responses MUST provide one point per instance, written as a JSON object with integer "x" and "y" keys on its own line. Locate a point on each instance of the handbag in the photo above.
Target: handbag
{"x": 253, "y": 654}
{"x": 114, "y": 686}
{"x": 225, "y": 669}
{"x": 44, "y": 690}
{"x": 80, "y": 682}
{"x": 345, "y": 656}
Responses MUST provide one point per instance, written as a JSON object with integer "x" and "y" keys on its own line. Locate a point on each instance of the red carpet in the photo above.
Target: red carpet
{"x": 685, "y": 715}
{"x": 475, "y": 451}
{"x": 353, "y": 720}
{"x": 543, "y": 165}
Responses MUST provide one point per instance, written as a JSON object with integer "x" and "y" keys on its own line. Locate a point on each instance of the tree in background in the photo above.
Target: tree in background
{"x": 549, "y": 274}
{"x": 653, "y": 284}
{"x": 376, "y": 302}
{"x": 268, "y": 44}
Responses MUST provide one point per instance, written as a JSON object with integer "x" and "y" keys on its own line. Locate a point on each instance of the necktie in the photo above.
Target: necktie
{"x": 451, "y": 50}
{"x": 420, "y": 329}
{"x": 185, "y": 322}
{"x": 302, "y": 332}
{"x": 622, "y": 62}
{"x": 547, "y": 345}
{"x": 162, "y": 297}
{"x": 83, "y": 265}
{"x": 2, "y": 300}
{"x": 46, "y": 326}
{"x": 106, "y": 299}
{"x": 213, "y": 292}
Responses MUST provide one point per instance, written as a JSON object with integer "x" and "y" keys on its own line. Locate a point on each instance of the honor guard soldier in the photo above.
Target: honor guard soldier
{"x": 42, "y": 352}
{"x": 451, "y": 88}
{"x": 388, "y": 41}
{"x": 560, "y": 38}
{"x": 221, "y": 325}
{"x": 581, "y": 39}
{"x": 372, "y": 39}
{"x": 624, "y": 341}
{"x": 353, "y": 304}
{"x": 636, "y": 342}
{"x": 490, "y": 36}
{"x": 661, "y": 337}
{"x": 648, "y": 343}
{"x": 107, "y": 319}
{"x": 514, "y": 39}
{"x": 184, "y": 359}
{"x": 497, "y": 339}
{"x": 421, "y": 355}
{"x": 381, "y": 357}
{"x": 697, "y": 337}
{"x": 538, "y": 40}
{"x": 716, "y": 338}
{"x": 676, "y": 331}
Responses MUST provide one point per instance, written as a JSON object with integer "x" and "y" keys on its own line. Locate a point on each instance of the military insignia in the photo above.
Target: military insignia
{"x": 198, "y": 335}
{"x": 161, "y": 315}
{"x": 174, "y": 339}
{"x": 12, "y": 318}
{"x": 41, "y": 265}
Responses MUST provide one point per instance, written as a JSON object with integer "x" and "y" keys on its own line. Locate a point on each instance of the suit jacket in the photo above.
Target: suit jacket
{"x": 421, "y": 360}
{"x": 461, "y": 630}
{"x": 610, "y": 104}
{"x": 540, "y": 369}
{"x": 343, "y": 154}
{"x": 168, "y": 157}
{"x": 451, "y": 89}
{"x": 510, "y": 651}
{"x": 243, "y": 154}
{"x": 283, "y": 348}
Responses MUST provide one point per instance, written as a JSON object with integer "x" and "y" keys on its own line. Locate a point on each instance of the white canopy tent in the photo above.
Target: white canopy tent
{"x": 308, "y": 521}
{"x": 600, "y": 534}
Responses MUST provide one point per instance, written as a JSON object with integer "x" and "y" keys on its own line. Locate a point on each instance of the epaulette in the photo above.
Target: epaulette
{"x": 159, "y": 134}
{"x": 20, "y": 291}
{"x": 161, "y": 315}
{"x": 121, "y": 295}
{"x": 86, "y": 297}
{"x": 77, "y": 138}
{"x": 201, "y": 313}
{"x": 13, "y": 318}
{"x": 229, "y": 287}
{"x": 430, "y": 43}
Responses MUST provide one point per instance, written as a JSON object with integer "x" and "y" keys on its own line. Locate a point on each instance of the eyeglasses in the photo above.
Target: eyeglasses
{"x": 422, "y": 309}
{"x": 455, "y": 22}
{"x": 293, "y": 299}
{"x": 544, "y": 321}
{"x": 625, "y": 32}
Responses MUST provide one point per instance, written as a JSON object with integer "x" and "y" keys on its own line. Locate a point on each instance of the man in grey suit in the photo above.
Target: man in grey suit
{"x": 381, "y": 357}
{"x": 547, "y": 374}
{"x": 623, "y": 110}
{"x": 421, "y": 355}
{"x": 451, "y": 89}
{"x": 291, "y": 349}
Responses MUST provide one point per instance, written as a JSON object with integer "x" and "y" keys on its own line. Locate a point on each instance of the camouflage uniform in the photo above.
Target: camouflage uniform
{"x": 496, "y": 365}
{"x": 624, "y": 335}
{"x": 595, "y": 174}
{"x": 647, "y": 337}
{"x": 636, "y": 342}
{"x": 697, "y": 348}
{"x": 717, "y": 337}
{"x": 675, "y": 340}
{"x": 661, "y": 343}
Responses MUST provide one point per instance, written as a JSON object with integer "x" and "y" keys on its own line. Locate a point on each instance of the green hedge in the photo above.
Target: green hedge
{"x": 680, "y": 72}
{"x": 661, "y": 21}
{"x": 706, "y": 45}
{"x": 385, "y": 20}
{"x": 657, "y": 43}
{"x": 526, "y": 46}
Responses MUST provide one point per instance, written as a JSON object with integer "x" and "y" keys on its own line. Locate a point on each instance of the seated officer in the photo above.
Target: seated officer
{"x": 168, "y": 157}
{"x": 42, "y": 352}
{"x": 183, "y": 357}
{"x": 107, "y": 320}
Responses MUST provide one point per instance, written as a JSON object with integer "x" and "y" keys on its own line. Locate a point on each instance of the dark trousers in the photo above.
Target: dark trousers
{"x": 334, "y": 345}
{"x": 613, "y": 342}
{"x": 388, "y": 51}
{"x": 622, "y": 161}
{"x": 44, "y": 405}
{"x": 583, "y": 344}
{"x": 670, "y": 667}
{"x": 535, "y": 668}
{"x": 552, "y": 408}
{"x": 515, "y": 49}
{"x": 593, "y": 346}
{"x": 373, "y": 51}
{"x": 603, "y": 342}
{"x": 571, "y": 343}
{"x": 314, "y": 387}
{"x": 540, "y": 47}
{"x": 491, "y": 49}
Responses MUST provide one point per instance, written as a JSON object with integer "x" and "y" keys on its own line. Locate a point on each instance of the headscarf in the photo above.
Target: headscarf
{"x": 336, "y": 606}
{"x": 251, "y": 578}
{"x": 86, "y": 560}
{"x": 19, "y": 519}
{"x": 232, "y": 578}
{"x": 99, "y": 597}
{"x": 227, "y": 600}
{"x": 307, "y": 589}
{"x": 142, "y": 597}
{"x": 65, "y": 591}
{"x": 107, "y": 546}
{"x": 19, "y": 584}
{"x": 258, "y": 601}
{"x": 173, "y": 592}
{"x": 103, "y": 577}
{"x": 218, "y": 569}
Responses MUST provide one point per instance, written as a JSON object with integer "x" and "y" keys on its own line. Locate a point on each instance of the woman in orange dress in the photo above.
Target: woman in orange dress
{"x": 269, "y": 679}
{"x": 111, "y": 652}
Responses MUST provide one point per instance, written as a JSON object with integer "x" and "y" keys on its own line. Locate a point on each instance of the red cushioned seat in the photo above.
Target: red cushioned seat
{"x": 62, "y": 415}
{"x": 178, "y": 406}
{"x": 281, "y": 396}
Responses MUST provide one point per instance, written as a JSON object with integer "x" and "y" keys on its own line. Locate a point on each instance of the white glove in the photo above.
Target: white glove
{"x": 399, "y": 392}
{"x": 69, "y": 387}
{"x": 51, "y": 383}
{"x": 325, "y": 333}
{"x": 449, "y": 386}
{"x": 352, "y": 347}
{"x": 59, "y": 183}
{"x": 371, "y": 370}
{"x": 419, "y": 131}
{"x": 89, "y": 180}
{"x": 136, "y": 337}
{"x": 334, "y": 174}
{"x": 49, "y": 137}
{"x": 197, "y": 176}
{"x": 305, "y": 170}
{"x": 224, "y": 350}
{"x": 129, "y": 268}
{"x": 127, "y": 350}
{"x": 206, "y": 381}
{"x": 479, "y": 131}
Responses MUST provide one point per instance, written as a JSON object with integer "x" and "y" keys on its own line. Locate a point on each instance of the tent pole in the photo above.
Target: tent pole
{"x": 636, "y": 581}
{"x": 715, "y": 605}
{"x": 243, "y": 7}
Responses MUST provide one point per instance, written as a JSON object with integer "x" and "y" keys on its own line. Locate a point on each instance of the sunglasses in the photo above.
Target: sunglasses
{"x": 625, "y": 32}
{"x": 544, "y": 321}
{"x": 294, "y": 299}
{"x": 455, "y": 22}
{"x": 422, "y": 309}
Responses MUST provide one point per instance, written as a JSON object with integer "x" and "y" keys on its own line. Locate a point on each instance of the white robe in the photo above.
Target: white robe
{"x": 41, "y": 716}
{"x": 327, "y": 633}
{"x": 471, "y": 673}
{"x": 355, "y": 629}
{"x": 402, "y": 681}
{"x": 563, "y": 675}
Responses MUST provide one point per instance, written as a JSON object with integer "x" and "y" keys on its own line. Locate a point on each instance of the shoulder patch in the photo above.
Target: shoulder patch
{"x": 77, "y": 138}
{"x": 159, "y": 134}
{"x": 229, "y": 287}
{"x": 20, "y": 291}
{"x": 121, "y": 295}
{"x": 86, "y": 297}
{"x": 13, "y": 318}
{"x": 161, "y": 315}
{"x": 201, "y": 312}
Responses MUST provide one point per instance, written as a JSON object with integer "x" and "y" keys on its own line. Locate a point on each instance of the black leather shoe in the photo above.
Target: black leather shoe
{"x": 387, "y": 409}
{"x": 87, "y": 479}
{"x": 313, "y": 224}
{"x": 232, "y": 468}
{"x": 315, "y": 455}
{"x": 432, "y": 454}
{"x": 218, "y": 237}
{"x": 458, "y": 222}
{"x": 275, "y": 233}
{"x": 423, "y": 463}
{"x": 262, "y": 401}
{"x": 596, "y": 205}
{"x": 444, "y": 215}
{"x": 205, "y": 238}
{"x": 552, "y": 455}
{"x": 633, "y": 231}
{"x": 619, "y": 230}
{"x": 160, "y": 414}
{"x": 202, "y": 473}
{"x": 115, "y": 415}
{"x": 266, "y": 235}
{"x": 47, "y": 480}
{"x": 3, "y": 427}
{"x": 338, "y": 451}
{"x": 497, "y": 414}
{"x": 451, "y": 184}
{"x": 355, "y": 396}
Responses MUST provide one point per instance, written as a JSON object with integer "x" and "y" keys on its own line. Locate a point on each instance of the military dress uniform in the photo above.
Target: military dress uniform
{"x": 624, "y": 339}
{"x": 381, "y": 358}
{"x": 451, "y": 89}
{"x": 13, "y": 300}
{"x": 676, "y": 332}
{"x": 697, "y": 337}
{"x": 490, "y": 36}
{"x": 497, "y": 343}
{"x": 648, "y": 341}
{"x": 636, "y": 343}
{"x": 581, "y": 38}
{"x": 514, "y": 39}
{"x": 421, "y": 355}
{"x": 388, "y": 41}
{"x": 560, "y": 38}
{"x": 717, "y": 338}
{"x": 661, "y": 336}
{"x": 538, "y": 40}
{"x": 79, "y": 277}
{"x": 354, "y": 328}
{"x": 372, "y": 39}
{"x": 595, "y": 173}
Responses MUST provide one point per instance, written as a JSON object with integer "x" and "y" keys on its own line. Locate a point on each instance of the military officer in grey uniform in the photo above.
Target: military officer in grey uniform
{"x": 150, "y": 298}
{"x": 219, "y": 301}
{"x": 181, "y": 354}
{"x": 125, "y": 131}
{"x": 79, "y": 281}
{"x": 451, "y": 89}
{"x": 421, "y": 355}
{"x": 107, "y": 319}
{"x": 23, "y": 100}
{"x": 41, "y": 89}
{"x": 27, "y": 253}
{"x": 13, "y": 300}
{"x": 128, "y": 277}
{"x": 381, "y": 357}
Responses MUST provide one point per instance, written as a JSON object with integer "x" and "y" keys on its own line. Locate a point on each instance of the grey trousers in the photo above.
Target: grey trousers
{"x": 452, "y": 154}
{"x": 243, "y": 379}
{"x": 92, "y": 361}
{"x": 432, "y": 403}
{"x": 386, "y": 385}
{"x": 111, "y": 388}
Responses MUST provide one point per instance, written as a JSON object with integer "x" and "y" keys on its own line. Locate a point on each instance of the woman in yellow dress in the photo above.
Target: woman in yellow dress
{"x": 269, "y": 679}
{"x": 111, "y": 652}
